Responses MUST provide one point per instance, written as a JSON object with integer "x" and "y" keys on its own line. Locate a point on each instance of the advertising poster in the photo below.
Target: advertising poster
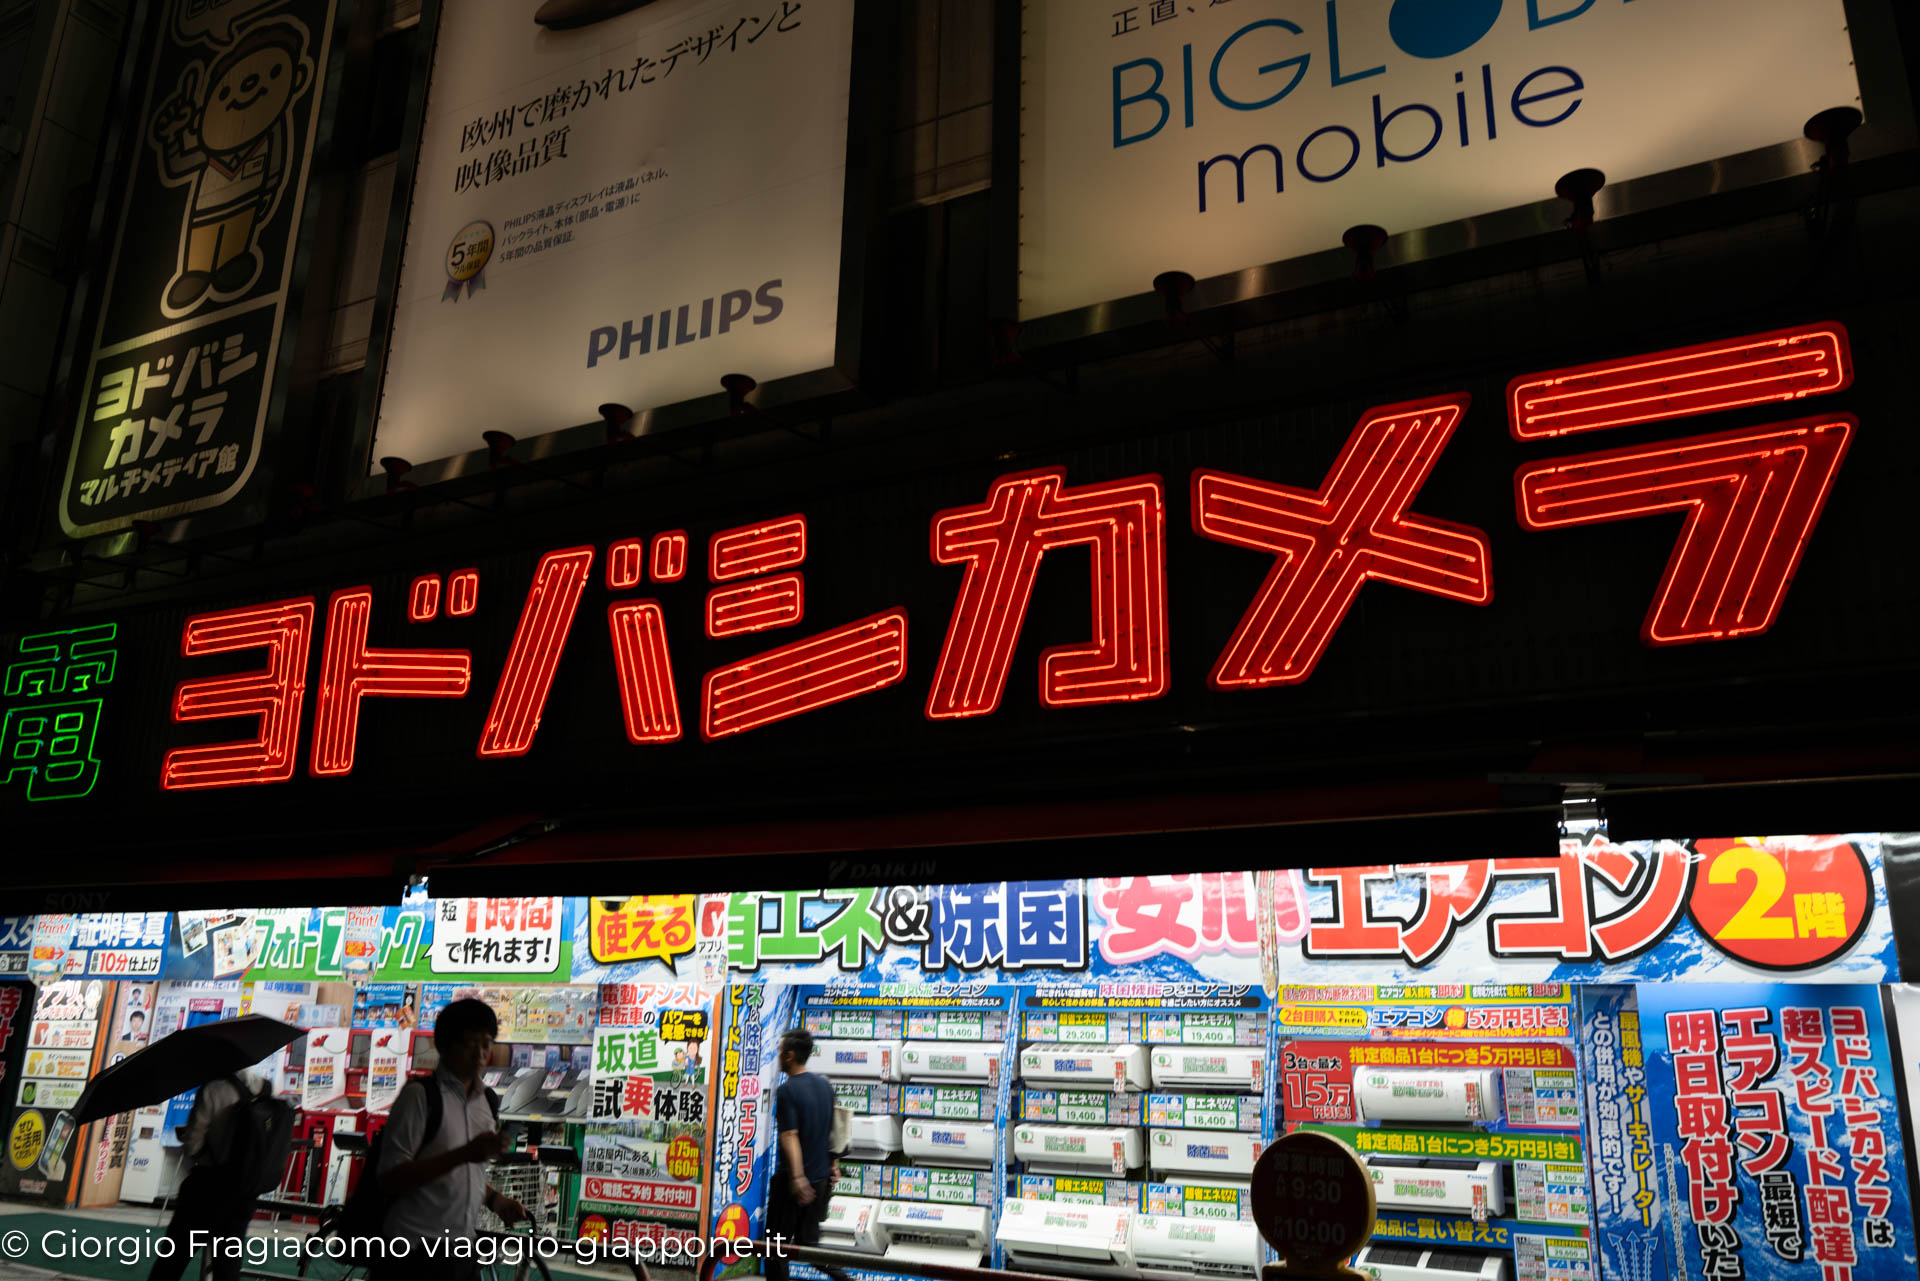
{"x": 324, "y": 1085}
{"x": 1700, "y": 911}
{"x": 383, "y": 1005}
{"x": 754, "y": 1018}
{"x": 52, "y": 938}
{"x": 628, "y": 210}
{"x": 118, "y": 945}
{"x": 1234, "y": 135}
{"x": 649, "y": 1121}
{"x": 512, "y": 939}
{"x": 1777, "y": 1132}
{"x": 53, "y": 1067}
{"x": 189, "y": 339}
{"x": 1200, "y": 927}
{"x": 1628, "y": 1209}
{"x": 16, "y": 943}
{"x": 387, "y": 1063}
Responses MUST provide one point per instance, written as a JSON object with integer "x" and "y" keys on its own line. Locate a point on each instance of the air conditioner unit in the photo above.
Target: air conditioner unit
{"x": 919, "y": 1232}
{"x": 873, "y": 1138}
{"x": 968, "y": 1143}
{"x": 1103, "y": 1067}
{"x": 853, "y": 1223}
{"x": 857, "y": 1060}
{"x": 1411, "y": 1263}
{"x": 1167, "y": 1246}
{"x": 1073, "y": 1149}
{"x": 1215, "y": 1067}
{"x": 1227, "y": 1156}
{"x": 1054, "y": 1236}
{"x": 975, "y": 1061}
{"x": 1438, "y": 1183}
{"x": 1427, "y": 1094}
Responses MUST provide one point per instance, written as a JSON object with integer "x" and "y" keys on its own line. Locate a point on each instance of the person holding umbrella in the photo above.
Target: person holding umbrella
{"x": 211, "y": 1200}
{"x": 237, "y": 1135}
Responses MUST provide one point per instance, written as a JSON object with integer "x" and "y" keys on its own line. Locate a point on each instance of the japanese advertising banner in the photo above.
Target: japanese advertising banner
{"x": 1776, "y": 1132}
{"x": 1216, "y": 137}
{"x": 644, "y": 1168}
{"x": 1628, "y": 1208}
{"x": 627, "y": 210}
{"x": 16, "y": 943}
{"x": 754, "y": 1017}
{"x": 117, "y": 945}
{"x": 190, "y": 336}
{"x": 420, "y": 939}
{"x": 55, "y": 1061}
{"x": 1711, "y": 911}
{"x": 1199, "y": 927}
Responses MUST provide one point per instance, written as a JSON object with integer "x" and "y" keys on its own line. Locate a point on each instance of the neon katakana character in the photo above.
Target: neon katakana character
{"x": 1751, "y": 497}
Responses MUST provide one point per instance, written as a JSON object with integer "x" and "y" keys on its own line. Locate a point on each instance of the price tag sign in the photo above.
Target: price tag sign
{"x": 1313, "y": 1202}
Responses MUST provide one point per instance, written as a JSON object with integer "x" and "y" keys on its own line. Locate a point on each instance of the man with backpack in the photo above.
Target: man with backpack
{"x": 228, "y": 1137}
{"x": 429, "y": 1169}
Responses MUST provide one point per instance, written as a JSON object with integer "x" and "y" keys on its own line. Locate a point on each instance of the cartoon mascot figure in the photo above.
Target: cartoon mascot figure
{"x": 226, "y": 134}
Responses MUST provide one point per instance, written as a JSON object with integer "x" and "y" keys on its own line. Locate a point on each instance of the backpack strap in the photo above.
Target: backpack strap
{"x": 493, "y": 1104}
{"x": 436, "y": 1110}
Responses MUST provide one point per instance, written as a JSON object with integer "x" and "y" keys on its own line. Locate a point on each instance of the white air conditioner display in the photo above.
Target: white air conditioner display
{"x": 919, "y": 1232}
{"x": 1165, "y": 1245}
{"x": 1106, "y": 1067}
{"x": 874, "y": 1137}
{"x": 1054, "y": 1236}
{"x": 857, "y": 1060}
{"x": 853, "y": 1223}
{"x": 1427, "y": 1094}
{"x": 1223, "y": 1068}
{"x": 1072, "y": 1149}
{"x": 968, "y": 1143}
{"x": 977, "y": 1061}
{"x": 1205, "y": 1153}
{"x": 1411, "y": 1263}
{"x": 1438, "y": 1183}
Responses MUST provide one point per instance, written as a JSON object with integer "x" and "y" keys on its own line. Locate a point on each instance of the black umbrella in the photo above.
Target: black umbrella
{"x": 184, "y": 1061}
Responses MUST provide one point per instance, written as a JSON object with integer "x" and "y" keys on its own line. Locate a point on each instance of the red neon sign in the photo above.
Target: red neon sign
{"x": 1750, "y": 497}
{"x": 1331, "y": 541}
{"x": 669, "y": 557}
{"x": 1785, "y": 365}
{"x": 349, "y": 672}
{"x": 805, "y": 676}
{"x": 625, "y": 560}
{"x": 545, "y": 621}
{"x": 1001, "y": 542}
{"x": 757, "y": 549}
{"x": 644, "y": 668}
{"x": 756, "y": 607}
{"x": 274, "y": 694}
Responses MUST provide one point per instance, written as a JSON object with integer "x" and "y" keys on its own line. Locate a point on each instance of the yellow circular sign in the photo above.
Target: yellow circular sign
{"x": 469, "y": 251}
{"x": 28, "y": 1137}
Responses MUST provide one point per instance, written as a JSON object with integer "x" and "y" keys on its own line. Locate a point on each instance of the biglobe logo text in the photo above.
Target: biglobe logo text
{"x": 689, "y": 322}
{"x": 1258, "y": 65}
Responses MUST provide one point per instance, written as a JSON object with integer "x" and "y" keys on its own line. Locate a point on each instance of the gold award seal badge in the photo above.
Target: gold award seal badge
{"x": 467, "y": 257}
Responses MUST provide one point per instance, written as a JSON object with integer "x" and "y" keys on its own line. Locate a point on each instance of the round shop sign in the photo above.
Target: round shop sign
{"x": 1313, "y": 1201}
{"x": 28, "y": 1137}
{"x": 467, "y": 256}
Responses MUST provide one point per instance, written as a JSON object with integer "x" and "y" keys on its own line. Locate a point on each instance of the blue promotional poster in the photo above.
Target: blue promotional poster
{"x": 1776, "y": 1132}
{"x": 1627, "y": 1206}
{"x": 753, "y": 1017}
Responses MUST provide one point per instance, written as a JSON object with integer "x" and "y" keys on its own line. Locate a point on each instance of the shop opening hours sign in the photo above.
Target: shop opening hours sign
{"x": 1750, "y": 498}
{"x": 1704, "y": 910}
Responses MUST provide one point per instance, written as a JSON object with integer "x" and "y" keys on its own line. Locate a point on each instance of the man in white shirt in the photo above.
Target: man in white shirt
{"x": 438, "y": 1180}
{"x": 207, "y": 1202}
